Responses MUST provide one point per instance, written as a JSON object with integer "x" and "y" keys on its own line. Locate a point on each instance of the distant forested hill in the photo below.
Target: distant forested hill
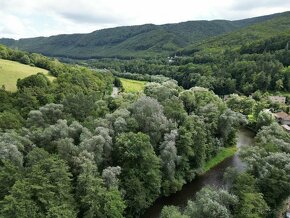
{"x": 126, "y": 42}
{"x": 248, "y": 36}
{"x": 256, "y": 57}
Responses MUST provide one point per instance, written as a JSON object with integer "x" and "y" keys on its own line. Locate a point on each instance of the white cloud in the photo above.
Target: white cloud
{"x": 11, "y": 26}
{"x": 30, "y": 18}
{"x": 257, "y": 4}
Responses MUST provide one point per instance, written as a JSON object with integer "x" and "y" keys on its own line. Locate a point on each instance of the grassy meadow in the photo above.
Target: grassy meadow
{"x": 10, "y": 71}
{"x": 132, "y": 85}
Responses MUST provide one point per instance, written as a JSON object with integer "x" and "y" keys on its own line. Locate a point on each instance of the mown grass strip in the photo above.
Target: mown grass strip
{"x": 132, "y": 85}
{"x": 221, "y": 155}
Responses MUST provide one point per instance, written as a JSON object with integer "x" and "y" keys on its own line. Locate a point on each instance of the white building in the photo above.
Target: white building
{"x": 277, "y": 99}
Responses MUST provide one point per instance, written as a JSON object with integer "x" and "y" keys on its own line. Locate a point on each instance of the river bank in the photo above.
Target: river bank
{"x": 214, "y": 176}
{"x": 220, "y": 157}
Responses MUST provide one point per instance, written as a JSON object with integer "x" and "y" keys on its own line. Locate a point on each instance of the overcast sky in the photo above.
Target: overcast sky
{"x": 30, "y": 18}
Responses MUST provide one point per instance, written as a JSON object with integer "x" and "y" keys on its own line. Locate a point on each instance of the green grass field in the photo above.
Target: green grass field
{"x": 132, "y": 85}
{"x": 222, "y": 155}
{"x": 10, "y": 71}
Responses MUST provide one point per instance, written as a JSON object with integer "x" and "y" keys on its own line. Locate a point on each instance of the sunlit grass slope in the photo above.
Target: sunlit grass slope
{"x": 10, "y": 71}
{"x": 132, "y": 85}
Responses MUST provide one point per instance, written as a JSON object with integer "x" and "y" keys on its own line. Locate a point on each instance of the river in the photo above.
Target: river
{"x": 212, "y": 177}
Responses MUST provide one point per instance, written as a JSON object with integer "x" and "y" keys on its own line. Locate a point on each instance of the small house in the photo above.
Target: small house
{"x": 282, "y": 118}
{"x": 286, "y": 128}
{"x": 277, "y": 99}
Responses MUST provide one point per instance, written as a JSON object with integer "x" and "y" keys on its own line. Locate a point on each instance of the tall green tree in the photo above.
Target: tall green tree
{"x": 45, "y": 191}
{"x": 95, "y": 199}
{"x": 140, "y": 176}
{"x": 149, "y": 114}
{"x": 191, "y": 146}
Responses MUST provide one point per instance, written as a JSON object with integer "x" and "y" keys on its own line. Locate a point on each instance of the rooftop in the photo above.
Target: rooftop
{"x": 286, "y": 127}
{"x": 282, "y": 115}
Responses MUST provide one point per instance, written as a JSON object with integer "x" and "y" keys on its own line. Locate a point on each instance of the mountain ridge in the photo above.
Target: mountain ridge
{"x": 128, "y": 41}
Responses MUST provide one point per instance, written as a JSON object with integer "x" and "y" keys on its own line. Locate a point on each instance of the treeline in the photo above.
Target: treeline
{"x": 150, "y": 65}
{"x": 71, "y": 82}
{"x": 52, "y": 65}
{"x": 259, "y": 191}
{"x": 90, "y": 155}
{"x": 141, "y": 77}
{"x": 224, "y": 67}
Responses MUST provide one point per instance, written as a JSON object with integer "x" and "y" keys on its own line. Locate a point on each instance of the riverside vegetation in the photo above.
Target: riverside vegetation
{"x": 69, "y": 138}
{"x": 69, "y": 149}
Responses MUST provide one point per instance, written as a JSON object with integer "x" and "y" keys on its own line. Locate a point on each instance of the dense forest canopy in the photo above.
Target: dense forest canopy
{"x": 69, "y": 138}
{"x": 132, "y": 41}
{"x": 68, "y": 148}
{"x": 253, "y": 58}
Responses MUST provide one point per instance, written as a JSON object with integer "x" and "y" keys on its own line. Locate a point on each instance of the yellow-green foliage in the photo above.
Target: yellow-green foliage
{"x": 10, "y": 71}
{"x": 132, "y": 85}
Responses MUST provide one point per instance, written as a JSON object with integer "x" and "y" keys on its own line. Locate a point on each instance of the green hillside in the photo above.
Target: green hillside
{"x": 10, "y": 71}
{"x": 255, "y": 57}
{"x": 279, "y": 25}
{"x": 126, "y": 42}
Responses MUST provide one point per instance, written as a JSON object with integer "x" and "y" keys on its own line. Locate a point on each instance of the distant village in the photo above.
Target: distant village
{"x": 281, "y": 117}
